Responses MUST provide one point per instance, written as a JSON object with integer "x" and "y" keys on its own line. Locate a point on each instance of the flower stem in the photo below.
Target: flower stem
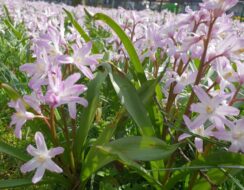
{"x": 53, "y": 128}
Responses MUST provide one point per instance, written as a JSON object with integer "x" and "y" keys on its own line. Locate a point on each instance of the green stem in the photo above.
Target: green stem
{"x": 53, "y": 128}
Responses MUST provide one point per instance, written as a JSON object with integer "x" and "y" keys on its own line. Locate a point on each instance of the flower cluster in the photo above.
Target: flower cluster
{"x": 61, "y": 62}
{"x": 204, "y": 78}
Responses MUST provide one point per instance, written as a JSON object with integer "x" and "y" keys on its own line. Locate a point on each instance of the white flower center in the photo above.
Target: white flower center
{"x": 41, "y": 158}
{"x": 228, "y": 75}
{"x": 237, "y": 135}
{"x": 199, "y": 131}
{"x": 209, "y": 109}
{"x": 20, "y": 115}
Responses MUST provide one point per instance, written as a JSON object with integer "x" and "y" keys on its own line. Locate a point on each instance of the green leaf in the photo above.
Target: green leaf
{"x": 89, "y": 112}
{"x": 224, "y": 158}
{"x": 15, "y": 183}
{"x": 127, "y": 44}
{"x": 96, "y": 158}
{"x": 49, "y": 178}
{"x": 12, "y": 93}
{"x": 77, "y": 26}
{"x": 139, "y": 169}
{"x": 147, "y": 91}
{"x": 94, "y": 161}
{"x": 140, "y": 148}
{"x": 132, "y": 102}
{"x": 7, "y": 13}
{"x": 12, "y": 151}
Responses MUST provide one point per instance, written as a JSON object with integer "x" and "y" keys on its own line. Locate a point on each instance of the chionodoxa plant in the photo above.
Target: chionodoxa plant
{"x": 172, "y": 85}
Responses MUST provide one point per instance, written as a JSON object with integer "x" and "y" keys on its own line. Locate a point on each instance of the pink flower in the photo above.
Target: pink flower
{"x": 212, "y": 109}
{"x": 38, "y": 70}
{"x": 65, "y": 92}
{"x": 20, "y": 117}
{"x": 185, "y": 79}
{"x": 235, "y": 135}
{"x": 219, "y": 6}
{"x": 198, "y": 131}
{"x": 240, "y": 72}
{"x": 42, "y": 158}
{"x": 85, "y": 62}
{"x": 34, "y": 100}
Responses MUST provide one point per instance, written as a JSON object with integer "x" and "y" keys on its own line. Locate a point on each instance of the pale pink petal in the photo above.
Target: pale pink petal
{"x": 199, "y": 108}
{"x": 38, "y": 174}
{"x": 65, "y": 59}
{"x": 201, "y": 94}
{"x": 32, "y": 150}
{"x": 222, "y": 135}
{"x": 218, "y": 121}
{"x": 55, "y": 151}
{"x": 187, "y": 121}
{"x": 29, "y": 166}
{"x": 72, "y": 79}
{"x": 51, "y": 166}
{"x": 199, "y": 121}
{"x": 83, "y": 102}
{"x": 40, "y": 141}
{"x": 234, "y": 148}
{"x": 86, "y": 71}
{"x": 72, "y": 110}
{"x": 199, "y": 144}
{"x": 178, "y": 88}
{"x": 227, "y": 110}
{"x": 183, "y": 136}
{"x": 85, "y": 49}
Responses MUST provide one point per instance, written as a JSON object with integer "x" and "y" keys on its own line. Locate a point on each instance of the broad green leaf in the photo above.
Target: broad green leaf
{"x": 132, "y": 164}
{"x": 12, "y": 183}
{"x": 132, "y": 102}
{"x": 220, "y": 158}
{"x": 12, "y": 151}
{"x": 127, "y": 44}
{"x": 147, "y": 91}
{"x": 77, "y": 26}
{"x": 12, "y": 93}
{"x": 15, "y": 183}
{"x": 89, "y": 167}
{"x": 202, "y": 184}
{"x": 89, "y": 112}
{"x": 96, "y": 160}
{"x": 140, "y": 148}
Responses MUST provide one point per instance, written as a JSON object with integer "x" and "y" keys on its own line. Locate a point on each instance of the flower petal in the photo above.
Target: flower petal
{"x": 55, "y": 151}
{"x": 38, "y": 175}
{"x": 40, "y": 142}
{"x": 52, "y": 166}
{"x": 29, "y": 166}
{"x": 201, "y": 94}
{"x": 199, "y": 144}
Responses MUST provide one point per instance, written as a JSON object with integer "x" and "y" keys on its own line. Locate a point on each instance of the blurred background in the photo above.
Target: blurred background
{"x": 157, "y": 5}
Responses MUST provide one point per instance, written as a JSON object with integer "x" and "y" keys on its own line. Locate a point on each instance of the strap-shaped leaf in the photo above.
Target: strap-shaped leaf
{"x": 122, "y": 156}
{"x": 15, "y": 183}
{"x": 12, "y": 93}
{"x": 89, "y": 112}
{"x": 12, "y": 151}
{"x": 132, "y": 102}
{"x": 48, "y": 179}
{"x": 77, "y": 26}
{"x": 127, "y": 44}
{"x": 140, "y": 148}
